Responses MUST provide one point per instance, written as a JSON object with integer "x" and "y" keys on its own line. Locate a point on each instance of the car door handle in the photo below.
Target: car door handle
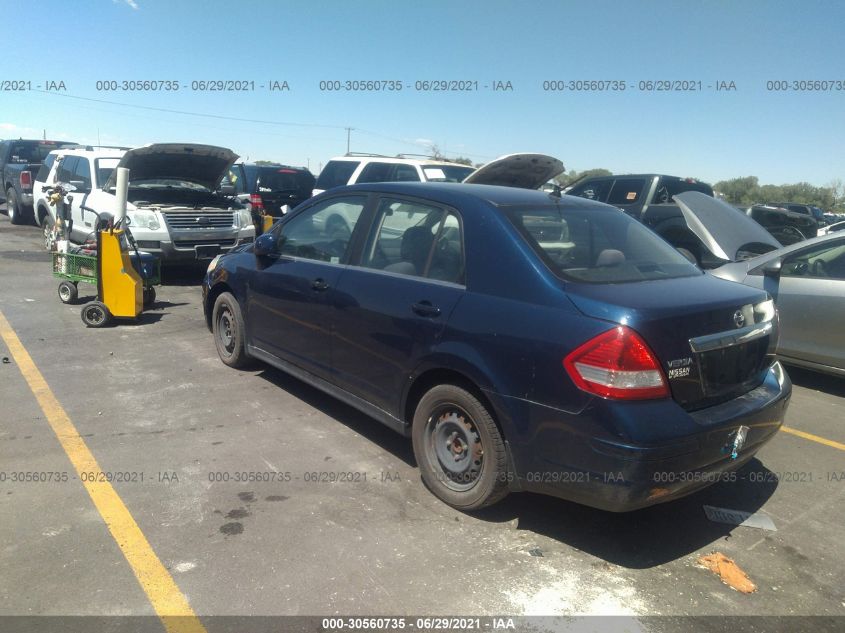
{"x": 424, "y": 308}
{"x": 319, "y": 284}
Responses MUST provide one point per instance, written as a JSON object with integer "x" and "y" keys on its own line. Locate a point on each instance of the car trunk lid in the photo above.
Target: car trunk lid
{"x": 526, "y": 171}
{"x": 714, "y": 339}
{"x": 280, "y": 186}
{"x": 726, "y": 232}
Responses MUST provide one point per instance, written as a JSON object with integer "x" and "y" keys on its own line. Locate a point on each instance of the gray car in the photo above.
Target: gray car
{"x": 807, "y": 282}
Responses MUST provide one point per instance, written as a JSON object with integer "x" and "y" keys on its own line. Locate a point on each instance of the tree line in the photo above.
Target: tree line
{"x": 748, "y": 190}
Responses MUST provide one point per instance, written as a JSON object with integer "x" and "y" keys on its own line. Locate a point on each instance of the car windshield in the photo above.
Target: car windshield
{"x": 446, "y": 173}
{"x": 166, "y": 183}
{"x": 597, "y": 246}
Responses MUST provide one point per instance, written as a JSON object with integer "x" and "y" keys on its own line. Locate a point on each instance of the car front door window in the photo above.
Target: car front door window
{"x": 324, "y": 231}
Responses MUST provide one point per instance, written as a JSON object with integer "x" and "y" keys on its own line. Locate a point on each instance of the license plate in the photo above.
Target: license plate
{"x": 208, "y": 252}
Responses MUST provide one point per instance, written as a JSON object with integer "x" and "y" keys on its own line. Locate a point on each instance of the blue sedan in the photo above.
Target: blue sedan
{"x": 523, "y": 341}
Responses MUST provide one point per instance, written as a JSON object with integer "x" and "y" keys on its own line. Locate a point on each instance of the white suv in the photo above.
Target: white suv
{"x": 357, "y": 168}
{"x": 175, "y": 210}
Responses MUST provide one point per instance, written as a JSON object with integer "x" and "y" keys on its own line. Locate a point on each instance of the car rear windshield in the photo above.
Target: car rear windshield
{"x": 31, "y": 151}
{"x": 597, "y": 245}
{"x": 284, "y": 179}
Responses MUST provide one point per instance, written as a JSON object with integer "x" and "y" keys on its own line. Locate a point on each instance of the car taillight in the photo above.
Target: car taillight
{"x": 26, "y": 179}
{"x": 256, "y": 202}
{"x": 617, "y": 364}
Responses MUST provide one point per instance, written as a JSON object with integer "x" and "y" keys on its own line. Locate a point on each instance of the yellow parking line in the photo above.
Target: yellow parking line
{"x": 168, "y": 601}
{"x": 813, "y": 438}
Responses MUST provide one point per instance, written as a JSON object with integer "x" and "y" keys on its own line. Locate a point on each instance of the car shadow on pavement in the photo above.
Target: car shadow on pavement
{"x": 183, "y": 274}
{"x": 643, "y": 538}
{"x": 350, "y": 417}
{"x": 834, "y": 385}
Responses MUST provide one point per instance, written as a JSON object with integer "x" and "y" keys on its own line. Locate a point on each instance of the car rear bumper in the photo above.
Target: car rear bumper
{"x": 573, "y": 456}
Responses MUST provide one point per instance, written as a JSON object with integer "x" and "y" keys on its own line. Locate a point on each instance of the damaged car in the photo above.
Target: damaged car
{"x": 807, "y": 282}
{"x": 522, "y": 341}
{"x": 176, "y": 209}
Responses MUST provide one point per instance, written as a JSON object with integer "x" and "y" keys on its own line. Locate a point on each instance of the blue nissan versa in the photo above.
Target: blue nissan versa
{"x": 523, "y": 341}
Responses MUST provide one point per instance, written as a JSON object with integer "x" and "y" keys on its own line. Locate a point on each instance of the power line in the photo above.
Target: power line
{"x": 185, "y": 112}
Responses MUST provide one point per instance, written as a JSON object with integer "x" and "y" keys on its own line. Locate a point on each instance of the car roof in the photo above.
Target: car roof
{"x": 397, "y": 159}
{"x": 109, "y": 152}
{"x": 802, "y": 244}
{"x": 454, "y": 193}
{"x": 273, "y": 166}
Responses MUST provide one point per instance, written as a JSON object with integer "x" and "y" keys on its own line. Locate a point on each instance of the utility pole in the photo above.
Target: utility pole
{"x": 44, "y": 134}
{"x": 348, "y": 132}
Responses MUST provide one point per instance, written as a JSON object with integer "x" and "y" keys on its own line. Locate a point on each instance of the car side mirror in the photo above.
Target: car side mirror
{"x": 773, "y": 268}
{"x": 266, "y": 245}
{"x": 79, "y": 185}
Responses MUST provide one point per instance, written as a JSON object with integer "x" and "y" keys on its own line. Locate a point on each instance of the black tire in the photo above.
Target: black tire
{"x": 96, "y": 314}
{"x": 13, "y": 207}
{"x": 47, "y": 226}
{"x": 459, "y": 449}
{"x": 227, "y": 325}
{"x": 68, "y": 292}
{"x": 149, "y": 296}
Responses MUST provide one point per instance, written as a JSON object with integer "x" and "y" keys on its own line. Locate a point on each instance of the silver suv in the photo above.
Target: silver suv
{"x": 176, "y": 209}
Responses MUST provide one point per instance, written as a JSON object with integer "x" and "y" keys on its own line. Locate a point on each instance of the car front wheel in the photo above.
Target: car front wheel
{"x": 227, "y": 325}
{"x": 459, "y": 449}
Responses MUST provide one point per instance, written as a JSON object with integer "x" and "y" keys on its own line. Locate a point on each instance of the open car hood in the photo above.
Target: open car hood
{"x": 201, "y": 164}
{"x": 527, "y": 171}
{"x": 724, "y": 230}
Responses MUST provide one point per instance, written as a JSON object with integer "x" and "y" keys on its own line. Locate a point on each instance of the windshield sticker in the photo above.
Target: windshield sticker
{"x": 434, "y": 172}
{"x": 632, "y": 195}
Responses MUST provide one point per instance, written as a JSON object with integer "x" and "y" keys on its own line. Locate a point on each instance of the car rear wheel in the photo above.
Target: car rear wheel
{"x": 459, "y": 449}
{"x": 227, "y": 325}
{"x": 13, "y": 207}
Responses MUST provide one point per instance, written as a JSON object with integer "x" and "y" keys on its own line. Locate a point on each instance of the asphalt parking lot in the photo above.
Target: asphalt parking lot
{"x": 153, "y": 405}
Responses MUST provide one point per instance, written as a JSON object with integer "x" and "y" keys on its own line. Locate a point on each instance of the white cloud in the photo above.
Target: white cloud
{"x": 131, "y": 3}
{"x": 17, "y": 130}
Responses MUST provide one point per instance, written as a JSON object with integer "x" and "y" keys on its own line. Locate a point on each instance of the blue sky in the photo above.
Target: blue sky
{"x": 778, "y": 136}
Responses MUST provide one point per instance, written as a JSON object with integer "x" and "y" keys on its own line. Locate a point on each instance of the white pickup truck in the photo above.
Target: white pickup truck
{"x": 175, "y": 208}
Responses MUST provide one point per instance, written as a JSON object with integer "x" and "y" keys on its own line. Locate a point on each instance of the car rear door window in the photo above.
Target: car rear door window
{"x": 417, "y": 239}
{"x": 323, "y": 232}
{"x": 376, "y": 172}
{"x": 626, "y": 191}
{"x": 405, "y": 173}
